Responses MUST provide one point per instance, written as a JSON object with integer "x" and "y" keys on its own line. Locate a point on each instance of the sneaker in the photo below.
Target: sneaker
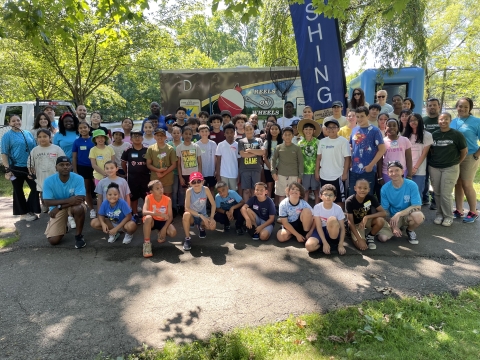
{"x": 255, "y": 237}
{"x": 438, "y": 220}
{"x": 433, "y": 206}
{"x": 29, "y": 217}
{"x": 139, "y": 209}
{"x": 412, "y": 237}
{"x": 447, "y": 222}
{"x": 147, "y": 250}
{"x": 113, "y": 238}
{"x": 371, "y": 241}
{"x": 239, "y": 231}
{"x": 128, "y": 238}
{"x": 226, "y": 228}
{"x": 137, "y": 219}
{"x": 426, "y": 202}
{"x": 470, "y": 218}
{"x": 44, "y": 208}
{"x": 279, "y": 220}
{"x": 71, "y": 222}
{"x": 187, "y": 244}
{"x": 93, "y": 214}
{"x": 457, "y": 214}
{"x": 251, "y": 231}
{"x": 202, "y": 234}
{"x": 79, "y": 242}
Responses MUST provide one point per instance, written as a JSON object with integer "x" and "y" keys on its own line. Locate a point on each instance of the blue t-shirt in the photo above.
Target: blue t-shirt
{"x": 161, "y": 123}
{"x": 65, "y": 141}
{"x": 364, "y": 142}
{"x": 292, "y": 212}
{"x": 226, "y": 203}
{"x": 395, "y": 200}
{"x": 56, "y": 189}
{"x": 262, "y": 209}
{"x": 470, "y": 128}
{"x": 115, "y": 213}
{"x": 82, "y": 147}
{"x": 13, "y": 145}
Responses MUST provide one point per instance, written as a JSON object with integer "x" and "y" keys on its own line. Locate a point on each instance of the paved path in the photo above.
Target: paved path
{"x": 63, "y": 303}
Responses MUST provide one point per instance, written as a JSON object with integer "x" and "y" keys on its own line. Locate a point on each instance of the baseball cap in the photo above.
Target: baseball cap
{"x": 394, "y": 164}
{"x": 195, "y": 176}
{"x": 332, "y": 121}
{"x": 294, "y": 122}
{"x": 136, "y": 132}
{"x": 226, "y": 112}
{"x": 337, "y": 103}
{"x": 160, "y": 131}
{"x": 63, "y": 159}
{"x": 120, "y": 130}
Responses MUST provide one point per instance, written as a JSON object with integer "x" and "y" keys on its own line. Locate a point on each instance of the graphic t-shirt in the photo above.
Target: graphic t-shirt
{"x": 309, "y": 151}
{"x": 395, "y": 200}
{"x": 446, "y": 147}
{"x": 82, "y": 147}
{"x": 262, "y": 208}
{"x": 187, "y": 155}
{"x": 364, "y": 142}
{"x": 334, "y": 152}
{"x": 56, "y": 189}
{"x": 162, "y": 158}
{"x": 208, "y": 157}
{"x": 101, "y": 156}
{"x": 44, "y": 160}
{"x": 417, "y": 150}
{"x": 361, "y": 209}
{"x": 115, "y": 213}
{"x": 395, "y": 151}
{"x": 226, "y": 203}
{"x": 136, "y": 163}
{"x": 118, "y": 150}
{"x": 320, "y": 211}
{"x": 431, "y": 124}
{"x": 250, "y": 163}
{"x": 290, "y": 211}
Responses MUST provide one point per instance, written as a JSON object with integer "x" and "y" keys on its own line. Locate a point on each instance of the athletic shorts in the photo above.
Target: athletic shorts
{"x": 339, "y": 186}
{"x": 158, "y": 225}
{"x": 332, "y": 242}
{"x": 231, "y": 182}
{"x": 85, "y": 171}
{"x": 309, "y": 182}
{"x": 268, "y": 176}
{"x": 210, "y": 181}
{"x": 260, "y": 221}
{"x": 138, "y": 187}
{"x": 298, "y": 226}
{"x": 249, "y": 178}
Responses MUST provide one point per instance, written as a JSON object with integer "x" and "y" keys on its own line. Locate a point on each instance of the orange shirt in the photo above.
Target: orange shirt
{"x": 158, "y": 206}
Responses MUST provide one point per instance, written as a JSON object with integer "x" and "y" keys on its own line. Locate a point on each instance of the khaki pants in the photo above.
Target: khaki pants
{"x": 443, "y": 181}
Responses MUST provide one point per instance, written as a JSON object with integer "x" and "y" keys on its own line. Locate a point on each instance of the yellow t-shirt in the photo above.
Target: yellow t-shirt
{"x": 345, "y": 131}
{"x": 101, "y": 156}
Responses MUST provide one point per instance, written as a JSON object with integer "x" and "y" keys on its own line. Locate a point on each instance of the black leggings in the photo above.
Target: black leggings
{"x": 20, "y": 204}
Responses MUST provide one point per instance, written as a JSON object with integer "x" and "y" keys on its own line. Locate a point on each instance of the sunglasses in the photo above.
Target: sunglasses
{"x": 380, "y": 96}
{"x": 195, "y": 182}
{"x": 355, "y": 94}
{"x": 395, "y": 163}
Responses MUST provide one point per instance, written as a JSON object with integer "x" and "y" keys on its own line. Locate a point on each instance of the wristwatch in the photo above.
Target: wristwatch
{"x": 59, "y": 207}
{"x": 475, "y": 157}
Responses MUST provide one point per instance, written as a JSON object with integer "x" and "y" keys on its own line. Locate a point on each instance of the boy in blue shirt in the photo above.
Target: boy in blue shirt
{"x": 228, "y": 204}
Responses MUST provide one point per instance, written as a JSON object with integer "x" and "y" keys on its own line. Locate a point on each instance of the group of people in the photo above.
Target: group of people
{"x": 360, "y": 170}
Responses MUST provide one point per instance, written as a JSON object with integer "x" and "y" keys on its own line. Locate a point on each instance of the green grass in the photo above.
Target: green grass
{"x": 4, "y": 242}
{"x": 434, "y": 327}
{"x": 6, "y": 188}
{"x": 476, "y": 185}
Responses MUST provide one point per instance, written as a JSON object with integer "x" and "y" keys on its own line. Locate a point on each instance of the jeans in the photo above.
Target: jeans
{"x": 420, "y": 181}
{"x": 369, "y": 176}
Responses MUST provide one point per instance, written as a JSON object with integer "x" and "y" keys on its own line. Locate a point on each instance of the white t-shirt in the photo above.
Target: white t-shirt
{"x": 392, "y": 115}
{"x": 147, "y": 142}
{"x": 417, "y": 150}
{"x": 43, "y": 160}
{"x": 334, "y": 152}
{"x": 284, "y": 122}
{"x": 208, "y": 157}
{"x": 229, "y": 161}
{"x": 324, "y": 214}
{"x": 342, "y": 120}
{"x": 387, "y": 108}
{"x": 119, "y": 152}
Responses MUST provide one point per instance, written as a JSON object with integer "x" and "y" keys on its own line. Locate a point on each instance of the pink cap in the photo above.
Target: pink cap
{"x": 196, "y": 176}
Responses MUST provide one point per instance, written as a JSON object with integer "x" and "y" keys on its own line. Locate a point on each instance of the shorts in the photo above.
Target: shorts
{"x": 330, "y": 241}
{"x": 339, "y": 187}
{"x": 158, "y": 225}
{"x": 210, "y": 181}
{"x": 309, "y": 182}
{"x": 249, "y": 178}
{"x": 85, "y": 171}
{"x": 268, "y": 176}
{"x": 282, "y": 183}
{"x": 57, "y": 226}
{"x": 468, "y": 168}
{"x": 197, "y": 220}
{"x": 231, "y": 182}
{"x": 138, "y": 187}
{"x": 385, "y": 230}
{"x": 260, "y": 221}
{"x": 298, "y": 226}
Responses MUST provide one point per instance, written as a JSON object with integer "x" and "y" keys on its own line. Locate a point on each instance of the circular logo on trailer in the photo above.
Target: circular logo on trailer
{"x": 231, "y": 100}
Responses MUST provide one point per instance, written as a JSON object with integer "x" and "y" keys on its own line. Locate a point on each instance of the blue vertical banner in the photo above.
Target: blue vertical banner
{"x": 320, "y": 58}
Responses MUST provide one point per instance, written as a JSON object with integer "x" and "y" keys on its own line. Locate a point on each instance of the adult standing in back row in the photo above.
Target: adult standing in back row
{"x": 287, "y": 118}
{"x": 382, "y": 101}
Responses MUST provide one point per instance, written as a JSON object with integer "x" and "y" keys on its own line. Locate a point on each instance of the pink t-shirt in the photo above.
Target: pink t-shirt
{"x": 395, "y": 151}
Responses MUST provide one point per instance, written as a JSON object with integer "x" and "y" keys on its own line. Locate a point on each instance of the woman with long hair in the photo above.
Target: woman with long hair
{"x": 42, "y": 121}
{"x": 274, "y": 138}
{"x": 358, "y": 99}
{"x": 382, "y": 123}
{"x": 408, "y": 104}
{"x": 67, "y": 133}
{"x": 403, "y": 119}
{"x": 421, "y": 141}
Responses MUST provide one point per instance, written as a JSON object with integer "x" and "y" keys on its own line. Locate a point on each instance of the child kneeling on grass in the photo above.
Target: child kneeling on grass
{"x": 196, "y": 209}
{"x": 259, "y": 213}
{"x": 295, "y": 214}
{"x": 158, "y": 215}
{"x": 362, "y": 220}
{"x": 329, "y": 230}
{"x": 115, "y": 216}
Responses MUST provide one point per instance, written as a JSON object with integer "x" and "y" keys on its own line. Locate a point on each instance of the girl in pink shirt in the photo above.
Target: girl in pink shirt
{"x": 398, "y": 149}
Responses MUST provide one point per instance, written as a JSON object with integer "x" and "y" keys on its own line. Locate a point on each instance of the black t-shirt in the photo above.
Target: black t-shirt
{"x": 360, "y": 210}
{"x": 101, "y": 128}
{"x": 136, "y": 162}
{"x": 217, "y": 137}
{"x": 180, "y": 126}
{"x": 431, "y": 124}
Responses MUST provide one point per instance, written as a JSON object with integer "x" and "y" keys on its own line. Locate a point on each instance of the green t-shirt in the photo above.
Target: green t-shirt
{"x": 446, "y": 147}
{"x": 309, "y": 152}
{"x": 431, "y": 124}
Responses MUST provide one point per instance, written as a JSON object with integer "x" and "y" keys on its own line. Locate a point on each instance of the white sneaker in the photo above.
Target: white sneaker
{"x": 71, "y": 222}
{"x": 28, "y": 217}
{"x": 438, "y": 220}
{"x": 128, "y": 238}
{"x": 113, "y": 238}
{"x": 93, "y": 214}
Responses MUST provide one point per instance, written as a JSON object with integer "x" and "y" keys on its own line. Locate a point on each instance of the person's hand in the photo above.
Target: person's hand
{"x": 341, "y": 250}
{"x": 344, "y": 177}
{"x": 299, "y": 180}
{"x": 414, "y": 171}
{"x": 397, "y": 232}
{"x": 105, "y": 228}
{"x": 54, "y": 212}
{"x": 162, "y": 235}
{"x": 300, "y": 238}
{"x": 165, "y": 217}
{"x": 275, "y": 177}
{"x": 317, "y": 177}
{"x": 248, "y": 223}
{"x": 230, "y": 214}
{"x": 394, "y": 220}
{"x": 381, "y": 182}
{"x": 210, "y": 221}
{"x": 326, "y": 248}
{"x": 368, "y": 168}
{"x": 113, "y": 231}
{"x": 364, "y": 221}
{"x": 75, "y": 200}
{"x": 182, "y": 181}
{"x": 219, "y": 178}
